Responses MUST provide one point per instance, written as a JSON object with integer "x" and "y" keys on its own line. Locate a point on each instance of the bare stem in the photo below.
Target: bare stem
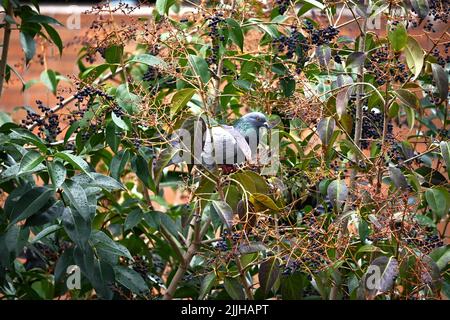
{"x": 6, "y": 40}
{"x": 199, "y": 233}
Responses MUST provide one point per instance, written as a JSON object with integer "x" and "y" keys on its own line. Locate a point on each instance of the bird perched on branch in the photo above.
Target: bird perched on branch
{"x": 222, "y": 144}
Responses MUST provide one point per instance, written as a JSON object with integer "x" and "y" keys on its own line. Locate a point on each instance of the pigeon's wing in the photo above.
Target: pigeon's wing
{"x": 225, "y": 145}
{"x": 242, "y": 144}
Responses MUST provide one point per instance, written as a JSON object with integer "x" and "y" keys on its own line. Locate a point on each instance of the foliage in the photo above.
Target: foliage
{"x": 364, "y": 156}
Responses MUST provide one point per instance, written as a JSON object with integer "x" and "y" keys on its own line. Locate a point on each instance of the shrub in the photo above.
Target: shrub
{"x": 357, "y": 207}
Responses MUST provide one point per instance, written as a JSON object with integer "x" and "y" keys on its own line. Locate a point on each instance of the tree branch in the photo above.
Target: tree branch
{"x": 6, "y": 40}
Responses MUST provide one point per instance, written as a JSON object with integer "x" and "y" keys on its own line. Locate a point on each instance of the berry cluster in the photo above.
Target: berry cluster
{"x": 337, "y": 58}
{"x": 221, "y": 245}
{"x": 399, "y": 72}
{"x": 372, "y": 126}
{"x": 291, "y": 267}
{"x": 327, "y": 206}
{"x": 48, "y": 122}
{"x": 214, "y": 23}
{"x": 84, "y": 97}
{"x": 282, "y": 5}
{"x": 296, "y": 44}
{"x": 322, "y": 36}
{"x": 440, "y": 59}
{"x": 140, "y": 266}
{"x": 426, "y": 242}
{"x": 377, "y": 63}
{"x": 90, "y": 92}
{"x": 151, "y": 74}
{"x": 439, "y": 11}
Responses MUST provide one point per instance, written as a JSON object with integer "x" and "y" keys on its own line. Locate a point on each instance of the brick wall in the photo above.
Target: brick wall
{"x": 66, "y": 65}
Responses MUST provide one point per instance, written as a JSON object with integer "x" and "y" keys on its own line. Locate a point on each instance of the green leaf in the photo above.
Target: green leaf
{"x": 57, "y": 173}
{"x": 73, "y": 127}
{"x": 142, "y": 170}
{"x": 414, "y": 57}
{"x": 355, "y": 59}
{"x": 49, "y": 213}
{"x": 111, "y": 136}
{"x": 54, "y": 36}
{"x": 77, "y": 228}
{"x": 130, "y": 279}
{"x": 266, "y": 201}
{"x": 119, "y": 122}
{"x": 288, "y": 86}
{"x": 424, "y": 221}
{"x": 28, "y": 45}
{"x": 369, "y": 248}
{"x": 234, "y": 288}
{"x": 102, "y": 242}
{"x": 236, "y": 33}
{"x": 337, "y": 192}
{"x": 407, "y": 98}
{"x": 292, "y": 285}
{"x": 161, "y": 162}
{"x": 441, "y": 79}
{"x": 445, "y": 150}
{"x": 76, "y": 161}
{"x": 118, "y": 164}
{"x": 64, "y": 261}
{"x": 251, "y": 182}
{"x": 439, "y": 201}
{"x": 200, "y": 68}
{"x": 398, "y": 37}
{"x": 21, "y": 133}
{"x": 398, "y": 178}
{"x": 77, "y": 197}
{"x": 133, "y": 219}
{"x": 153, "y": 219}
{"x": 268, "y": 273}
{"x": 127, "y": 100}
{"x": 47, "y": 231}
{"x": 315, "y": 3}
{"x": 441, "y": 256}
{"x": 94, "y": 72}
{"x": 105, "y": 182}
{"x": 30, "y": 203}
{"x": 113, "y": 54}
{"x": 149, "y": 60}
{"x": 29, "y": 161}
{"x": 421, "y": 8}
{"x": 48, "y": 77}
{"x": 325, "y": 129}
{"x": 42, "y": 19}
{"x": 207, "y": 284}
{"x": 163, "y": 6}
{"x": 224, "y": 211}
{"x": 410, "y": 117}
{"x": 180, "y": 99}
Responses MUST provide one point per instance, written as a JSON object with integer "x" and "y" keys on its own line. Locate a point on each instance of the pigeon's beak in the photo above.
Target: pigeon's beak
{"x": 266, "y": 125}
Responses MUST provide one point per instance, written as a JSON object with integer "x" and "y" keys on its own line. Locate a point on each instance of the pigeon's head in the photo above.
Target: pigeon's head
{"x": 255, "y": 119}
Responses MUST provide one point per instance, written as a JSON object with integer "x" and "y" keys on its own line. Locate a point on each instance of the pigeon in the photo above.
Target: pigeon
{"x": 227, "y": 145}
